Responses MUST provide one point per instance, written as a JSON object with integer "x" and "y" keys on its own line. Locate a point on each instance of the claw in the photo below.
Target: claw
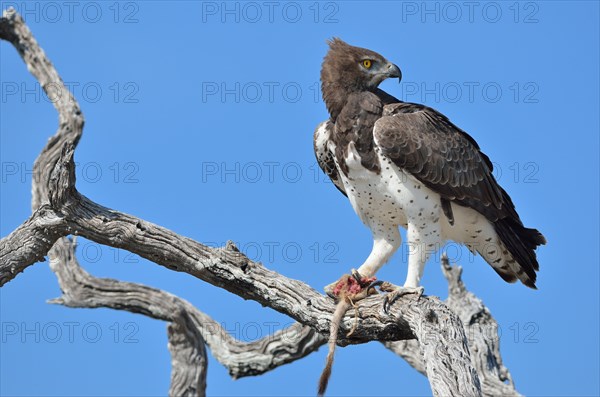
{"x": 376, "y": 283}
{"x": 396, "y": 292}
{"x": 329, "y": 290}
{"x": 356, "y": 276}
{"x": 387, "y": 302}
{"x": 364, "y": 282}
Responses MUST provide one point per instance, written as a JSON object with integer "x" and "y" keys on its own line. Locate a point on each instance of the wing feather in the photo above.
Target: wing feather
{"x": 446, "y": 159}
{"x": 425, "y": 143}
{"x": 324, "y": 157}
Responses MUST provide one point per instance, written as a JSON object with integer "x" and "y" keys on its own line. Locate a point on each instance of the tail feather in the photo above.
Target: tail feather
{"x": 507, "y": 275}
{"x": 521, "y": 243}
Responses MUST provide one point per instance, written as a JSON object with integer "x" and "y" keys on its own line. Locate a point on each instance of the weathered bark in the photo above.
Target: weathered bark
{"x": 29, "y": 243}
{"x": 188, "y": 358}
{"x": 482, "y": 333}
{"x": 80, "y": 289}
{"x": 17, "y": 251}
{"x": 432, "y": 335}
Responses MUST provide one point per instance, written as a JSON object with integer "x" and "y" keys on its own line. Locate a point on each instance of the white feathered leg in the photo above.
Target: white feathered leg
{"x": 386, "y": 241}
{"x": 424, "y": 239}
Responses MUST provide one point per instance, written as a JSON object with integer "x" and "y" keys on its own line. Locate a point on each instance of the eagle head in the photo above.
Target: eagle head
{"x": 347, "y": 69}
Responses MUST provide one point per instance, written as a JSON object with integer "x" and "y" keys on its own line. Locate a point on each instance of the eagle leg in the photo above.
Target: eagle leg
{"x": 356, "y": 285}
{"x": 395, "y": 292}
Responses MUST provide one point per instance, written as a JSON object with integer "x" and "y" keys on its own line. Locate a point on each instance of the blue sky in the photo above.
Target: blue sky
{"x": 199, "y": 117}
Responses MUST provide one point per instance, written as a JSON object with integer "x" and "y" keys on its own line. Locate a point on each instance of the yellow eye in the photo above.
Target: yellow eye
{"x": 367, "y": 63}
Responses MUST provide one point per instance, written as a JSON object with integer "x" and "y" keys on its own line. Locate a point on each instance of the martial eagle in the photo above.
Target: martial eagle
{"x": 405, "y": 164}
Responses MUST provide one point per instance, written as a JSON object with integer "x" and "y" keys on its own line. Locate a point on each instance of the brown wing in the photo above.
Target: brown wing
{"x": 446, "y": 159}
{"x": 324, "y": 157}
{"x": 443, "y": 157}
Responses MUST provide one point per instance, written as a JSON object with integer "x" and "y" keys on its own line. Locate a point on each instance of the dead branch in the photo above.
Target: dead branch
{"x": 482, "y": 333}
{"x": 82, "y": 290}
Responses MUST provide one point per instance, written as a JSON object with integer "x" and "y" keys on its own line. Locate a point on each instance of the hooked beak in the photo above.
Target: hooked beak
{"x": 393, "y": 71}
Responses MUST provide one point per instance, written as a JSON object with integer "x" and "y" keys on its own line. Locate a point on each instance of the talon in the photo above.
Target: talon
{"x": 376, "y": 283}
{"x": 362, "y": 281}
{"x": 356, "y": 276}
{"x": 386, "y": 304}
{"x": 396, "y": 292}
{"x": 420, "y": 291}
{"x": 329, "y": 290}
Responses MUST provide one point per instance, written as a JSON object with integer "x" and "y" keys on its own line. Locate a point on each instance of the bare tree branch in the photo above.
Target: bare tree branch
{"x": 244, "y": 359}
{"x": 482, "y": 334}
{"x": 442, "y": 351}
{"x": 29, "y": 243}
{"x": 189, "y": 360}
{"x": 82, "y": 290}
{"x": 32, "y": 240}
{"x": 70, "y": 118}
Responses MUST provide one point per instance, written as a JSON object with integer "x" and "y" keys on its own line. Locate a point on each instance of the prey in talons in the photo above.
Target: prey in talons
{"x": 353, "y": 287}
